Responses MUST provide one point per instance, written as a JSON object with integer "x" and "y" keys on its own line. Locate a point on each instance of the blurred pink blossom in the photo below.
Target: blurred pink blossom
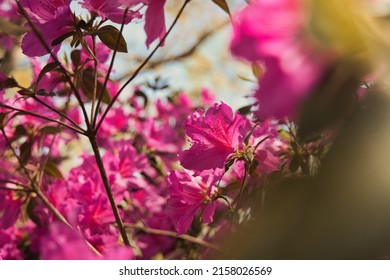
{"x": 273, "y": 32}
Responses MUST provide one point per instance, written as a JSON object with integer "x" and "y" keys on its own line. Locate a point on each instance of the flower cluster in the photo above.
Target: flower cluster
{"x": 88, "y": 175}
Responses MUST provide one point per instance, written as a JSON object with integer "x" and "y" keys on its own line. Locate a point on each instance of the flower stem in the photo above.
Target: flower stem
{"x": 240, "y": 193}
{"x": 106, "y": 183}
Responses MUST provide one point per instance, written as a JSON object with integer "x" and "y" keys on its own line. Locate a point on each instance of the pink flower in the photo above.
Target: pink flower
{"x": 285, "y": 86}
{"x": 273, "y": 31}
{"x": 207, "y": 96}
{"x": 267, "y": 28}
{"x": 10, "y": 206}
{"x": 154, "y": 21}
{"x": 52, "y": 19}
{"x": 9, "y": 240}
{"x": 215, "y": 135}
{"x": 190, "y": 195}
{"x": 109, "y": 9}
{"x": 64, "y": 243}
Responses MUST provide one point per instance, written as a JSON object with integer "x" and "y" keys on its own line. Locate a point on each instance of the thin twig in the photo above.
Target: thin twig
{"x": 174, "y": 235}
{"x": 106, "y": 183}
{"x": 57, "y": 112}
{"x": 240, "y": 193}
{"x": 95, "y": 80}
{"x": 101, "y": 94}
{"x": 77, "y": 130}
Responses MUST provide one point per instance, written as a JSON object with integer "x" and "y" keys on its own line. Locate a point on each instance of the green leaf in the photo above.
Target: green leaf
{"x": 245, "y": 110}
{"x": 233, "y": 186}
{"x": 75, "y": 56}
{"x": 9, "y": 27}
{"x": 223, "y": 5}
{"x": 42, "y": 92}
{"x": 8, "y": 83}
{"x": 48, "y": 68}
{"x": 285, "y": 135}
{"x": 25, "y": 150}
{"x": 25, "y": 92}
{"x": 252, "y": 169}
{"x": 60, "y": 39}
{"x": 87, "y": 85}
{"x": 19, "y": 132}
{"x": 52, "y": 170}
{"x": 2, "y": 118}
{"x": 109, "y": 35}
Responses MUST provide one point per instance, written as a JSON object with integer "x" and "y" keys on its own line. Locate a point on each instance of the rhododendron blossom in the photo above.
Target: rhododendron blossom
{"x": 189, "y": 196}
{"x": 154, "y": 21}
{"x": 109, "y": 9}
{"x": 64, "y": 243}
{"x": 273, "y": 32}
{"x": 215, "y": 134}
{"x": 51, "y": 18}
{"x": 99, "y": 166}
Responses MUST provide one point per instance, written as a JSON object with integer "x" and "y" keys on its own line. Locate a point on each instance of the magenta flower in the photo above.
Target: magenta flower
{"x": 190, "y": 195}
{"x": 267, "y": 28}
{"x": 154, "y": 18}
{"x": 273, "y": 32}
{"x": 284, "y": 87}
{"x": 110, "y": 9}
{"x": 154, "y": 21}
{"x": 64, "y": 243}
{"x": 215, "y": 135}
{"x": 52, "y": 19}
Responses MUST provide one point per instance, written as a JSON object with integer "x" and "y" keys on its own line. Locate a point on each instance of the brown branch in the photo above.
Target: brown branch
{"x": 174, "y": 235}
{"x": 106, "y": 183}
{"x": 42, "y": 117}
{"x": 94, "y": 117}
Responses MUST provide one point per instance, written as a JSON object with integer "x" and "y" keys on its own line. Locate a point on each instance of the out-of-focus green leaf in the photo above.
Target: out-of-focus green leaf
{"x": 8, "y": 27}
{"x": 52, "y": 170}
{"x": 8, "y": 83}
{"x": 87, "y": 85}
{"x": 50, "y": 130}
{"x": 75, "y": 56}
{"x": 233, "y": 186}
{"x": 63, "y": 37}
{"x": 252, "y": 169}
{"x": 245, "y": 110}
{"x": 2, "y": 118}
{"x": 25, "y": 92}
{"x": 25, "y": 150}
{"x": 46, "y": 69}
